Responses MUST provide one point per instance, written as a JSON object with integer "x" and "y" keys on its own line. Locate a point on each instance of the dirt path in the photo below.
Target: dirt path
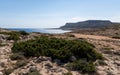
{"x": 100, "y": 41}
{"x": 93, "y": 37}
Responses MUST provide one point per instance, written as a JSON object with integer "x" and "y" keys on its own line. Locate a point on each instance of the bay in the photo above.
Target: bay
{"x": 41, "y": 30}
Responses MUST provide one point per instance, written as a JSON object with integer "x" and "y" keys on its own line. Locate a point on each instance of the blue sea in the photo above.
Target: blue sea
{"x": 41, "y": 30}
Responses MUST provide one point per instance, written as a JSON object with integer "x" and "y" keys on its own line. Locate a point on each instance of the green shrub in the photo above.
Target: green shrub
{"x": 13, "y": 36}
{"x": 21, "y": 63}
{"x": 23, "y": 33}
{"x": 60, "y": 49}
{"x": 8, "y": 71}
{"x": 82, "y": 66}
{"x": 34, "y": 73}
{"x": 16, "y": 56}
{"x": 5, "y": 33}
{"x": 57, "y": 49}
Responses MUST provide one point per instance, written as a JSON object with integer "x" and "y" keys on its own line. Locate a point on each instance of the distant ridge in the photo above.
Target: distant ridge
{"x": 88, "y": 24}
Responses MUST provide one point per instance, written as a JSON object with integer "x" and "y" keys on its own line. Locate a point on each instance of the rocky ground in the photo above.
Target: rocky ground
{"x": 109, "y": 47}
{"x": 44, "y": 65}
{"x": 112, "y": 31}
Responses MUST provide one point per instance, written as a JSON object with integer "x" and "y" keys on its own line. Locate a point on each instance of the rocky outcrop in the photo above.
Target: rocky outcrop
{"x": 44, "y": 66}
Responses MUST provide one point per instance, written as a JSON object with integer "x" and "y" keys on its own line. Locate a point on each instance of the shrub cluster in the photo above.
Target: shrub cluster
{"x": 16, "y": 56}
{"x": 23, "y": 33}
{"x": 82, "y": 66}
{"x": 20, "y": 63}
{"x": 57, "y": 49}
{"x": 61, "y": 49}
{"x": 14, "y": 35}
{"x": 34, "y": 73}
{"x": 8, "y": 71}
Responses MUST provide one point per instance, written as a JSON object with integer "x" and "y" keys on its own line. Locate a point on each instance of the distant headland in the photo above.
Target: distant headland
{"x": 89, "y": 24}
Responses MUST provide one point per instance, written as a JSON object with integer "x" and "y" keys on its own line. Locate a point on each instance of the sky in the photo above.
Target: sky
{"x": 55, "y": 13}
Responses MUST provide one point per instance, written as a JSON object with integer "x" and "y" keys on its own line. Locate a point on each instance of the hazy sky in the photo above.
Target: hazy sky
{"x": 55, "y": 13}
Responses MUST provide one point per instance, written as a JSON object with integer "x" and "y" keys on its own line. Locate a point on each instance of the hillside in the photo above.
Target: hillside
{"x": 88, "y": 24}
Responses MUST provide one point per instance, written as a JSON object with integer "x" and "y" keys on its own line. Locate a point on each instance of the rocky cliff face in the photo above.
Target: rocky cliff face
{"x": 88, "y": 24}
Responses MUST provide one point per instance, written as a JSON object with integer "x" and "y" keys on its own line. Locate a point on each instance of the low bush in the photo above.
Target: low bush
{"x": 21, "y": 63}
{"x": 13, "y": 37}
{"x": 62, "y": 50}
{"x": 16, "y": 56}
{"x": 82, "y": 66}
{"x": 5, "y": 33}
{"x": 57, "y": 49}
{"x": 23, "y": 33}
{"x": 8, "y": 71}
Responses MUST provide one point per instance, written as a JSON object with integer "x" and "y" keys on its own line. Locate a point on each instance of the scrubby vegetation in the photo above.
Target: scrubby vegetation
{"x": 61, "y": 49}
{"x": 5, "y": 33}
{"x": 14, "y": 35}
{"x": 82, "y": 66}
{"x": 35, "y": 72}
{"x": 23, "y": 33}
{"x": 8, "y": 71}
{"x": 20, "y": 63}
{"x": 57, "y": 49}
{"x": 16, "y": 56}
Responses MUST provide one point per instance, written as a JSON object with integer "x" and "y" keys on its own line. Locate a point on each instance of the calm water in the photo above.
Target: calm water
{"x": 41, "y": 30}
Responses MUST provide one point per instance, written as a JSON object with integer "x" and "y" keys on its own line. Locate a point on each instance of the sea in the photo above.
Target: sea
{"x": 42, "y": 30}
